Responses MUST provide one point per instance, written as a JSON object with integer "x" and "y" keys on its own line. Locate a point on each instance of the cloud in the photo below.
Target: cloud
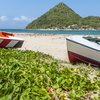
{"x": 21, "y": 18}
{"x": 3, "y": 18}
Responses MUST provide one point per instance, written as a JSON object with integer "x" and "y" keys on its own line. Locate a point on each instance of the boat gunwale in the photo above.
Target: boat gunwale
{"x": 83, "y": 45}
{"x": 15, "y": 39}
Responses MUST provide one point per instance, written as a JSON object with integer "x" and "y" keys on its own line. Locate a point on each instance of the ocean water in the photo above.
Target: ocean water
{"x": 82, "y": 32}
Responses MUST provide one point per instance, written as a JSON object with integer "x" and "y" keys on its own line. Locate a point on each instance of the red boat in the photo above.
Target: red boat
{"x": 81, "y": 49}
{"x": 8, "y": 40}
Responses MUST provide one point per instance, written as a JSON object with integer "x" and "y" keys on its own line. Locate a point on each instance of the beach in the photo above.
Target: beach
{"x": 54, "y": 45}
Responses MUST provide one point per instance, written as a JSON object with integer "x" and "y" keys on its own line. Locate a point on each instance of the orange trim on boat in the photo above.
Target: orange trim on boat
{"x": 4, "y": 34}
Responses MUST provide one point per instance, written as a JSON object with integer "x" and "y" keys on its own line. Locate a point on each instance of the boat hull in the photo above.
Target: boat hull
{"x": 78, "y": 52}
{"x": 10, "y": 43}
{"x": 76, "y": 58}
{"x": 8, "y": 40}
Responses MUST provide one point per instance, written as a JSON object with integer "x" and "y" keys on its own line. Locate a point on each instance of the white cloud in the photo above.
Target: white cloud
{"x": 3, "y": 18}
{"x": 21, "y": 18}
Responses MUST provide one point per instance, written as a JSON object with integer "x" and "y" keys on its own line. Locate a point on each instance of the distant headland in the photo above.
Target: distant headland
{"x": 63, "y": 17}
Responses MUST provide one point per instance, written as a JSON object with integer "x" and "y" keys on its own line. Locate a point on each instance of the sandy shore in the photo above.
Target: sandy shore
{"x": 54, "y": 45}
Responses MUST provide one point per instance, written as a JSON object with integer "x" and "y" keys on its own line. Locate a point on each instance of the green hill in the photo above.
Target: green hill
{"x": 63, "y": 17}
{"x": 60, "y": 16}
{"x": 93, "y": 21}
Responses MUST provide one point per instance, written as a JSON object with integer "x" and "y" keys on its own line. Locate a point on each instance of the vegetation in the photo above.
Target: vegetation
{"x": 91, "y": 21}
{"x": 60, "y": 16}
{"x": 29, "y": 75}
{"x": 63, "y": 17}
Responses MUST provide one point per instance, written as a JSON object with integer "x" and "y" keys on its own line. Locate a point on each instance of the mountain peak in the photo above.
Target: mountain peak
{"x": 59, "y": 17}
{"x": 62, "y": 3}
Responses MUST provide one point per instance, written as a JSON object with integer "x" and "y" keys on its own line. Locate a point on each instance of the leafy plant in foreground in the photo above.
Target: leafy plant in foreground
{"x": 29, "y": 75}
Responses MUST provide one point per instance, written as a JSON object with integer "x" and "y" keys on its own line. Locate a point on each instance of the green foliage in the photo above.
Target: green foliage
{"x": 60, "y": 17}
{"x": 63, "y": 17}
{"x": 93, "y": 21}
{"x": 29, "y": 75}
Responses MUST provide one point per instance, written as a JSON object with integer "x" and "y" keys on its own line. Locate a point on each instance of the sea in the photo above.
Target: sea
{"x": 76, "y": 32}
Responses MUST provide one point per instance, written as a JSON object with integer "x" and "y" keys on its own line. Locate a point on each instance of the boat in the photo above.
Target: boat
{"x": 83, "y": 49}
{"x": 8, "y": 40}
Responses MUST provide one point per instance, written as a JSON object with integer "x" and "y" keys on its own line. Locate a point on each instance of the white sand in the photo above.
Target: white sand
{"x": 54, "y": 45}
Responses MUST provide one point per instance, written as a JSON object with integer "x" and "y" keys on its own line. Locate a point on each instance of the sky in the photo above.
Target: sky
{"x": 17, "y": 14}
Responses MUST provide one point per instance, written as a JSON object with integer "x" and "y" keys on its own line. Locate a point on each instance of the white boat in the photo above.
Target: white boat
{"x": 82, "y": 50}
{"x": 8, "y": 40}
